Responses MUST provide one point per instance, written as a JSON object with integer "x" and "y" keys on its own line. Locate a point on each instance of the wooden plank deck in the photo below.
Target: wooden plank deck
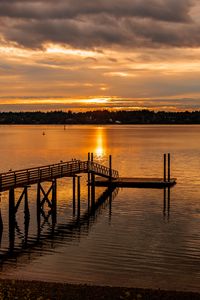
{"x": 135, "y": 182}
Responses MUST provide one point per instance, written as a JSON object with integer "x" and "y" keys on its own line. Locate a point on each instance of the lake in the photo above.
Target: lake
{"x": 135, "y": 239}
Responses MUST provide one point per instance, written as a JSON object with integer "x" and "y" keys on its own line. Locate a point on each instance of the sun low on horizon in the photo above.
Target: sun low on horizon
{"x": 102, "y": 55}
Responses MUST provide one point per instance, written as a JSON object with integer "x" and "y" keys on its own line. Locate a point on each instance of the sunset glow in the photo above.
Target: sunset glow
{"x": 57, "y": 49}
{"x": 100, "y": 55}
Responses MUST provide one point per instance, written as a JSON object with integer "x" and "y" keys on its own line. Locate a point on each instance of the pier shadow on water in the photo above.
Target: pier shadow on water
{"x": 47, "y": 240}
{"x": 56, "y": 234}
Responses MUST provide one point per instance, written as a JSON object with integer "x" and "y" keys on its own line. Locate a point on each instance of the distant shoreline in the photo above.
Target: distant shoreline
{"x": 101, "y": 117}
{"x": 20, "y": 289}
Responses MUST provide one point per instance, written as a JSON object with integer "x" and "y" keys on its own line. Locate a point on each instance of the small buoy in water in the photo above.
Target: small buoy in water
{"x": 43, "y": 133}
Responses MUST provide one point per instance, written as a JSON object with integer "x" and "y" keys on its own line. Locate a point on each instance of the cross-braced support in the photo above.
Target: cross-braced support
{"x": 13, "y": 208}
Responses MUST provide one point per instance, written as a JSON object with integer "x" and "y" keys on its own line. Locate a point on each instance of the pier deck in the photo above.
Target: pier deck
{"x": 135, "y": 182}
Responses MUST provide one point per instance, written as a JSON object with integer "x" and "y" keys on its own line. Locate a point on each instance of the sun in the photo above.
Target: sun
{"x": 98, "y": 100}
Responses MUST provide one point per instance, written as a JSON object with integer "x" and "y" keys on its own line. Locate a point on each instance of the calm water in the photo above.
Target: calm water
{"x": 137, "y": 239}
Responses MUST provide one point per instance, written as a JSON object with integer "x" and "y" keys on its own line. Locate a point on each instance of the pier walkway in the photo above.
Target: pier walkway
{"x": 21, "y": 178}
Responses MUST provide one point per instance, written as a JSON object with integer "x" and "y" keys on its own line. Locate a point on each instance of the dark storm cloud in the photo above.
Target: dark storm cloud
{"x": 99, "y": 23}
{"x": 169, "y": 10}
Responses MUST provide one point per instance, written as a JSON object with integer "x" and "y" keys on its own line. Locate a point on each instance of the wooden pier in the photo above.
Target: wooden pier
{"x": 97, "y": 175}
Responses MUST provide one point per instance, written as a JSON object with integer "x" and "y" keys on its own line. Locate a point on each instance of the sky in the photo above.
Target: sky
{"x": 115, "y": 54}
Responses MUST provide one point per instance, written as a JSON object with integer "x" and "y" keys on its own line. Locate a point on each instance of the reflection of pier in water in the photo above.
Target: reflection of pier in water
{"x": 166, "y": 202}
{"x": 56, "y": 234}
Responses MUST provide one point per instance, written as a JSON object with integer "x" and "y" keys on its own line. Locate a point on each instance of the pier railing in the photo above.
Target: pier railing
{"x": 102, "y": 170}
{"x": 44, "y": 173}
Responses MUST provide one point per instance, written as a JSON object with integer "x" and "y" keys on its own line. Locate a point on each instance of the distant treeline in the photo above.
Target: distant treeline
{"x": 101, "y": 117}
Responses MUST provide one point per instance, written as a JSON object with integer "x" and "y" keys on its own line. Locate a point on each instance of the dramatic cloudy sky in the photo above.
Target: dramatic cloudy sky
{"x": 99, "y": 53}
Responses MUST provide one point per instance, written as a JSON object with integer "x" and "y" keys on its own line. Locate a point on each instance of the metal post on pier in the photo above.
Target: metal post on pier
{"x": 168, "y": 167}
{"x": 164, "y": 173}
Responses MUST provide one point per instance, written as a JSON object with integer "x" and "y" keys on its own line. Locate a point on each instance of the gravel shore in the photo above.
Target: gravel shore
{"x": 18, "y": 289}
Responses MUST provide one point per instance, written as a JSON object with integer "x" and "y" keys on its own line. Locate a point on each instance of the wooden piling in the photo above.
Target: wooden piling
{"x": 11, "y": 219}
{"x": 26, "y": 208}
{"x": 11, "y": 203}
{"x": 88, "y": 156}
